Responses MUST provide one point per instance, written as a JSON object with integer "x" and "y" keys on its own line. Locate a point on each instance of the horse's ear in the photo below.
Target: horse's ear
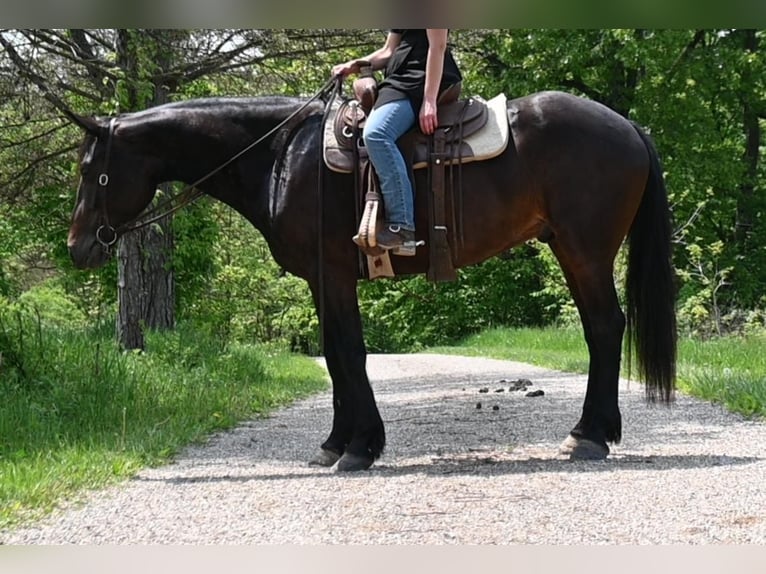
{"x": 88, "y": 124}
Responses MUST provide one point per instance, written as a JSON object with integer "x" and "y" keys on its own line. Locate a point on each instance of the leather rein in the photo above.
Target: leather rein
{"x": 188, "y": 194}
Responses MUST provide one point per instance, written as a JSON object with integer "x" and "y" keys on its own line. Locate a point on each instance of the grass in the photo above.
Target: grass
{"x": 727, "y": 370}
{"x": 79, "y": 414}
{"x": 562, "y": 349}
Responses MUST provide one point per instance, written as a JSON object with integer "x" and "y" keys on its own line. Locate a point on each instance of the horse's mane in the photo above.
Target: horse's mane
{"x": 258, "y": 107}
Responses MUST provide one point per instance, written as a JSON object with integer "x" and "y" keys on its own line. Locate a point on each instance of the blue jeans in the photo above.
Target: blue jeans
{"x": 384, "y": 126}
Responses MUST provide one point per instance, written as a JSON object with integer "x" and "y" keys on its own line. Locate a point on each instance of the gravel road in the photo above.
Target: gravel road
{"x": 452, "y": 473}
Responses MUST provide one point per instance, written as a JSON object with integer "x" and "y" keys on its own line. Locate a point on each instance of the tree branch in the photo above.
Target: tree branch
{"x": 35, "y": 78}
{"x": 58, "y": 45}
{"x": 32, "y": 138}
{"x": 578, "y": 84}
{"x": 37, "y": 161}
{"x": 699, "y": 36}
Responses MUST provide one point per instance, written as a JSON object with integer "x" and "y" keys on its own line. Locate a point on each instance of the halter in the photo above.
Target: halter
{"x": 103, "y": 181}
{"x": 190, "y": 193}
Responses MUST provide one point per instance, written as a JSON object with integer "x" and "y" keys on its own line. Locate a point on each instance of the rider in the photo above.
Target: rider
{"x": 418, "y": 67}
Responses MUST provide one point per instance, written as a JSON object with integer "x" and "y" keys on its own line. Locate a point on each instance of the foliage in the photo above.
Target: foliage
{"x": 410, "y": 314}
{"x": 701, "y": 308}
{"x": 559, "y": 307}
{"x": 702, "y": 93}
{"x": 243, "y": 294}
{"x": 77, "y": 413}
{"x": 196, "y": 232}
{"x": 53, "y": 305}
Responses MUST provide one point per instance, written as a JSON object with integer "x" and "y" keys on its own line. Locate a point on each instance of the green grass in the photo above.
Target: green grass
{"x": 77, "y": 414}
{"x": 728, "y": 370}
{"x": 562, "y": 349}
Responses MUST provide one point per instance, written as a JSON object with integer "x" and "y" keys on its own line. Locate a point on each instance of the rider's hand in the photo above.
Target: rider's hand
{"x": 428, "y": 119}
{"x": 343, "y": 70}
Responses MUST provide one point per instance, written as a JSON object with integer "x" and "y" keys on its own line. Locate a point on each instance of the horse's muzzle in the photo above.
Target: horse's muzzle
{"x": 87, "y": 254}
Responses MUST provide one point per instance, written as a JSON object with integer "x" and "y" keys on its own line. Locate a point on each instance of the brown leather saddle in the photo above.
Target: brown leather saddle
{"x": 457, "y": 119}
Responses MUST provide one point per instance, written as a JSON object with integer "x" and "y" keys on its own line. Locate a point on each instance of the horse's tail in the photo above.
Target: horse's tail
{"x": 650, "y": 286}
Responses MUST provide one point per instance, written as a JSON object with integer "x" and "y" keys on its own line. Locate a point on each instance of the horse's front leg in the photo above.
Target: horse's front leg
{"x": 342, "y": 424}
{"x": 357, "y": 437}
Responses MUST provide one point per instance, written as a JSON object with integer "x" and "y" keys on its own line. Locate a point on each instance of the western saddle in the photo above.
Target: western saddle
{"x": 457, "y": 119}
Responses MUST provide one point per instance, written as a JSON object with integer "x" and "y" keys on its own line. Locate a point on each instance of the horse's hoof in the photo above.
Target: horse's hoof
{"x": 583, "y": 449}
{"x": 568, "y": 445}
{"x": 325, "y": 458}
{"x": 352, "y": 462}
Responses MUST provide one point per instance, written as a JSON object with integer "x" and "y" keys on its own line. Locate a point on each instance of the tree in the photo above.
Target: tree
{"x": 701, "y": 93}
{"x": 145, "y": 285}
{"x": 110, "y": 71}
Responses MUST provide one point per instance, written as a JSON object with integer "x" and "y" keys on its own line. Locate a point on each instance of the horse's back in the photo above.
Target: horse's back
{"x": 559, "y": 124}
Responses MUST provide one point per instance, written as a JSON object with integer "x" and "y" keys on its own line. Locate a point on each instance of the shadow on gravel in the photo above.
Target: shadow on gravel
{"x": 481, "y": 464}
{"x": 492, "y": 465}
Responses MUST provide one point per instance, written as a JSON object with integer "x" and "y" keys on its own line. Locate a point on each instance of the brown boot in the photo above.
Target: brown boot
{"x": 399, "y": 241}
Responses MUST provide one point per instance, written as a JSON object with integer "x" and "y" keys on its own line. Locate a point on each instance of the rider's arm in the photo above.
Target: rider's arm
{"x": 379, "y": 58}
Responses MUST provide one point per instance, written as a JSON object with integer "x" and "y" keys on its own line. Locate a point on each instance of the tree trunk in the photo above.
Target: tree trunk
{"x": 146, "y": 285}
{"x": 752, "y": 133}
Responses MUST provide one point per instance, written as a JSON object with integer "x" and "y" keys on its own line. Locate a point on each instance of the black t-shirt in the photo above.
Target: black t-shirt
{"x": 405, "y": 74}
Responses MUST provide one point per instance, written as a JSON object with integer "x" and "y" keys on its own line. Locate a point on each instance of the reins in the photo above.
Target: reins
{"x": 337, "y": 86}
{"x": 190, "y": 193}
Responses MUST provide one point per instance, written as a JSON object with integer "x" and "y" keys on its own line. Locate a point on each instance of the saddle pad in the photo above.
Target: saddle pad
{"x": 491, "y": 140}
{"x": 488, "y": 142}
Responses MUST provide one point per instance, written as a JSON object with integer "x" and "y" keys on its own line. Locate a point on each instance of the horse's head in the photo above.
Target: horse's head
{"x": 116, "y": 184}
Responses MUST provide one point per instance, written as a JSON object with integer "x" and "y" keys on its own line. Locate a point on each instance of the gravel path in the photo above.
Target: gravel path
{"x": 452, "y": 473}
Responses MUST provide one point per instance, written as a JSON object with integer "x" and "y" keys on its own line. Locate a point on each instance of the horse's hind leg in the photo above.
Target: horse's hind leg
{"x": 592, "y": 287}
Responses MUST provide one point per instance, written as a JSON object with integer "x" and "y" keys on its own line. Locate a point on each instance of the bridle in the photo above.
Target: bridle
{"x": 103, "y": 181}
{"x": 188, "y": 194}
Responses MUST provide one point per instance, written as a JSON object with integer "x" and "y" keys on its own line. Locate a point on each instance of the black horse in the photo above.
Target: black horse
{"x": 575, "y": 175}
